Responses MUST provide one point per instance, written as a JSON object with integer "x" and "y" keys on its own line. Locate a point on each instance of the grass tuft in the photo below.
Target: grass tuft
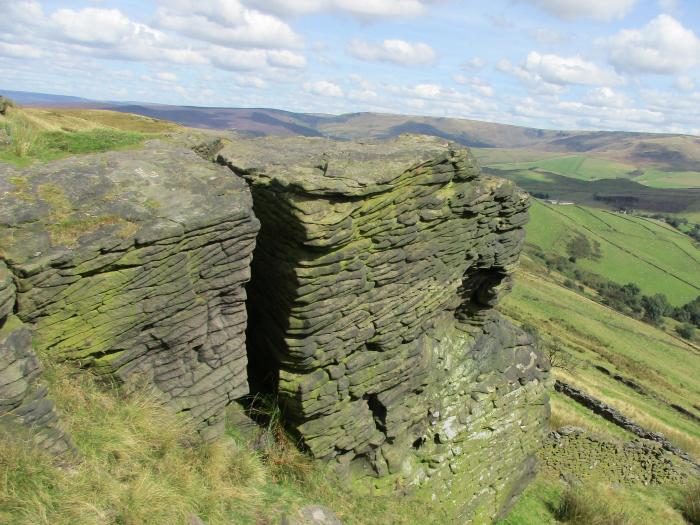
{"x": 588, "y": 505}
{"x": 690, "y": 504}
{"x": 24, "y": 134}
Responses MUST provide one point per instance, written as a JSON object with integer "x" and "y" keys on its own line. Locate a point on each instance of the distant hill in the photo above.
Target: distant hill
{"x": 539, "y": 159}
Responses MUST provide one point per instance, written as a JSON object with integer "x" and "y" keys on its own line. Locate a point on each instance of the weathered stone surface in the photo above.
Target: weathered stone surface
{"x": 374, "y": 278}
{"x": 25, "y": 411}
{"x": 135, "y": 262}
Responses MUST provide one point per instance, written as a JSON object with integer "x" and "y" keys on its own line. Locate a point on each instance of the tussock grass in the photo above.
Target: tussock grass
{"x": 589, "y": 505}
{"x": 22, "y": 131}
{"x": 138, "y": 464}
{"x": 690, "y": 504}
{"x": 44, "y": 135}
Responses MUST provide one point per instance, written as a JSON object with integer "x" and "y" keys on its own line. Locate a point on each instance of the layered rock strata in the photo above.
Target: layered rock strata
{"x": 374, "y": 280}
{"x": 25, "y": 411}
{"x": 134, "y": 263}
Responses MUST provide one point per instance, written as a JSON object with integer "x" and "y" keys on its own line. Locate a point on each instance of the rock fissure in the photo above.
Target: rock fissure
{"x": 373, "y": 321}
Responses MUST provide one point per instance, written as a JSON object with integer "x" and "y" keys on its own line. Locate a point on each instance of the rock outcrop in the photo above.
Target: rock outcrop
{"x": 375, "y": 275}
{"x": 25, "y": 411}
{"x": 134, "y": 263}
{"x": 371, "y": 306}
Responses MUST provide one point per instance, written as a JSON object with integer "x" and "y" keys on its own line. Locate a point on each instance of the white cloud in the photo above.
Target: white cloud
{"x": 473, "y": 64}
{"x": 607, "y": 98}
{"x": 605, "y": 10}
{"x": 226, "y": 23}
{"x": 250, "y": 81}
{"x": 360, "y": 8}
{"x": 663, "y": 46}
{"x": 560, "y": 70}
{"x": 19, "y": 51}
{"x": 685, "y": 83}
{"x": 166, "y": 76}
{"x": 427, "y": 90}
{"x": 393, "y": 51}
{"x": 323, "y": 88}
{"x": 365, "y": 95}
{"x": 97, "y": 27}
{"x": 477, "y": 84}
{"x": 532, "y": 81}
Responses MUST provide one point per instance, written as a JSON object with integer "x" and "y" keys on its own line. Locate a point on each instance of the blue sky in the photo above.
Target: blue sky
{"x": 572, "y": 64}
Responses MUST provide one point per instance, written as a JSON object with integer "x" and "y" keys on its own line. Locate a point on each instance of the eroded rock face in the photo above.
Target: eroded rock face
{"x": 134, "y": 262}
{"x": 374, "y": 280}
{"x": 25, "y": 411}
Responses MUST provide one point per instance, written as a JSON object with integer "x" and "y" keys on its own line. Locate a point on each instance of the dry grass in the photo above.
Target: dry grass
{"x": 23, "y": 132}
{"x": 138, "y": 465}
{"x": 590, "y": 505}
{"x": 690, "y": 504}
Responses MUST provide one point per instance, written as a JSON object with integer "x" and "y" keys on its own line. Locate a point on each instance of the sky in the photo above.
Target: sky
{"x": 557, "y": 64}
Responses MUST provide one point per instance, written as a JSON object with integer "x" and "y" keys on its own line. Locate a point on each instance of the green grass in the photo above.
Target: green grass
{"x": 592, "y": 334}
{"x": 45, "y": 135}
{"x": 576, "y": 167}
{"x": 587, "y": 168}
{"x": 669, "y": 179}
{"x": 142, "y": 464}
{"x": 657, "y": 258}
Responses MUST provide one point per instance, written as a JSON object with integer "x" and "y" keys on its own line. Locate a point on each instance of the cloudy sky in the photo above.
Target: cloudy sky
{"x": 584, "y": 64}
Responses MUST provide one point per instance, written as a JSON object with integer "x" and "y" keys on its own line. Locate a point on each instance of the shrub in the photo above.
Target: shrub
{"x": 686, "y": 331}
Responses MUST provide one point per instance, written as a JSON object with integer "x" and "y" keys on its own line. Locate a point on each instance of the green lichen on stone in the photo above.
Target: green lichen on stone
{"x": 376, "y": 271}
{"x": 134, "y": 263}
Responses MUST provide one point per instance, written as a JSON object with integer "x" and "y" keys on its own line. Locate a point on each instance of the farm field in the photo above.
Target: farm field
{"x": 590, "y": 336}
{"x": 649, "y": 253}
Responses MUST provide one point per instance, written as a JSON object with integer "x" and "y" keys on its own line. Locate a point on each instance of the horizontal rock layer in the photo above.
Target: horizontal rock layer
{"x": 25, "y": 411}
{"x": 374, "y": 278}
{"x": 135, "y": 262}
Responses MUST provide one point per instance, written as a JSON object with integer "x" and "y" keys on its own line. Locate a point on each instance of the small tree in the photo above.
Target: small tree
{"x": 686, "y": 331}
{"x": 655, "y": 307}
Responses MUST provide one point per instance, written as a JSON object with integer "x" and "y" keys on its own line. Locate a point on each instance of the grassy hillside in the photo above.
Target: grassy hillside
{"x": 29, "y": 134}
{"x": 592, "y": 335}
{"x": 651, "y": 254}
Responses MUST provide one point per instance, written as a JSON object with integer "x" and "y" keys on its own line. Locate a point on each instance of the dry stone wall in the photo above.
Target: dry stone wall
{"x": 577, "y": 455}
{"x": 134, "y": 263}
{"x": 374, "y": 280}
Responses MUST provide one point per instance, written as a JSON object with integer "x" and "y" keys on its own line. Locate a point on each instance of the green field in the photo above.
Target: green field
{"x": 607, "y": 193}
{"x": 649, "y": 253}
{"x": 591, "y": 334}
{"x": 576, "y": 167}
{"x": 586, "y": 168}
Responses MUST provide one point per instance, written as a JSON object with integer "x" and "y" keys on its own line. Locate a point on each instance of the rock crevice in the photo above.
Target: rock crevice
{"x": 375, "y": 275}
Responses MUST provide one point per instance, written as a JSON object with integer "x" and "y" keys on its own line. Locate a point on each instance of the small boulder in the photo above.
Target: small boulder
{"x": 312, "y": 515}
